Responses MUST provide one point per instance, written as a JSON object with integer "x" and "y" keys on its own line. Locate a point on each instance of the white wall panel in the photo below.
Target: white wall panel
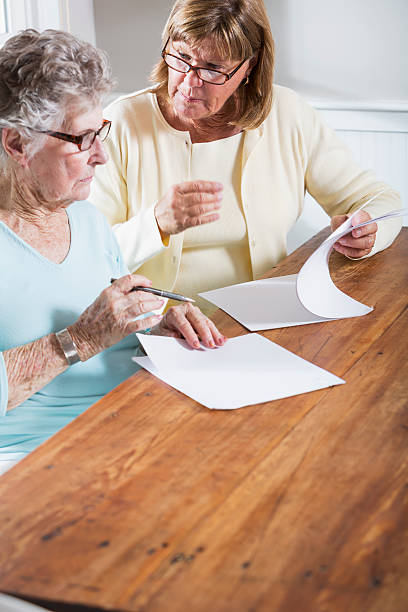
{"x": 384, "y": 152}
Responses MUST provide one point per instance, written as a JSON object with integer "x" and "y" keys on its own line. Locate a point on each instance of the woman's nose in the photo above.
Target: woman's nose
{"x": 192, "y": 79}
{"x": 99, "y": 155}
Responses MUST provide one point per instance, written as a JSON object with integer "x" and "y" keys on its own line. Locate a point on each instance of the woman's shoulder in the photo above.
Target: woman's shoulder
{"x": 289, "y": 108}
{"x": 87, "y": 214}
{"x": 287, "y": 99}
{"x": 90, "y": 222}
{"x": 137, "y": 102}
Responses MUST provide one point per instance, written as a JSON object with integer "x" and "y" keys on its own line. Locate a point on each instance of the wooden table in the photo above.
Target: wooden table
{"x": 150, "y": 502}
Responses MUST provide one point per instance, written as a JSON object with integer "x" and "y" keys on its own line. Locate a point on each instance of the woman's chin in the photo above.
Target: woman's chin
{"x": 81, "y": 192}
{"x": 190, "y": 110}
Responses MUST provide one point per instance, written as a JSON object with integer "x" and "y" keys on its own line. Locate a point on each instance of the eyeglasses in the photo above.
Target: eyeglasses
{"x": 215, "y": 77}
{"x": 85, "y": 141}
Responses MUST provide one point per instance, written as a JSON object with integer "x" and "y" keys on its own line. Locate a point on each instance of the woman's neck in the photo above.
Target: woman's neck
{"x": 45, "y": 229}
{"x": 206, "y": 130}
{"x": 18, "y": 202}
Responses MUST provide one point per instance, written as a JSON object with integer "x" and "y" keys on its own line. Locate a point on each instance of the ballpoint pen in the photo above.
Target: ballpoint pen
{"x": 161, "y": 293}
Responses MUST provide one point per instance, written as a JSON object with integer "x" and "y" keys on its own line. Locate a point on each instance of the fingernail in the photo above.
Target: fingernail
{"x": 357, "y": 232}
{"x": 196, "y": 344}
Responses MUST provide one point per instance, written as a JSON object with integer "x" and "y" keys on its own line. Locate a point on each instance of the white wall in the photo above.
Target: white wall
{"x": 130, "y": 31}
{"x": 342, "y": 49}
{"x": 335, "y": 49}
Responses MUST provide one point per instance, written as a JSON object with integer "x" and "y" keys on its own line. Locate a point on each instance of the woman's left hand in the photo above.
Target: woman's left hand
{"x": 359, "y": 242}
{"x": 188, "y": 322}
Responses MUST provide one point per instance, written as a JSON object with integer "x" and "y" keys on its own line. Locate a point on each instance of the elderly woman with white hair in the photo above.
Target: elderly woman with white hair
{"x": 66, "y": 332}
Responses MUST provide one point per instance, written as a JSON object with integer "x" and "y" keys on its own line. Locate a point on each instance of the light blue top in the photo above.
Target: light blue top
{"x": 40, "y": 297}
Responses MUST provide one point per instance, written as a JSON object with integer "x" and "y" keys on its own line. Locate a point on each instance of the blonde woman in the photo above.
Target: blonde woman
{"x": 208, "y": 168}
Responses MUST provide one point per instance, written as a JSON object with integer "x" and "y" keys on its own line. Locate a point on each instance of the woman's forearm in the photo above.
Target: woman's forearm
{"x": 32, "y": 366}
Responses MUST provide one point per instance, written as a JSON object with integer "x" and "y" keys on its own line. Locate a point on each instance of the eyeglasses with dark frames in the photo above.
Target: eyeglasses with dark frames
{"x": 214, "y": 77}
{"x": 85, "y": 141}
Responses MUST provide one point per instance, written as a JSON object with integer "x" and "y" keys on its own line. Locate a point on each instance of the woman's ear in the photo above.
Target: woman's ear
{"x": 13, "y": 145}
{"x": 251, "y": 64}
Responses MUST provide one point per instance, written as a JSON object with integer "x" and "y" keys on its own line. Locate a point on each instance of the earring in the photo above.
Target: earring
{"x": 246, "y": 81}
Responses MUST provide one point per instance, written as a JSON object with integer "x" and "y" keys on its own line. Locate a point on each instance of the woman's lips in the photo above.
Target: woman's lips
{"x": 189, "y": 99}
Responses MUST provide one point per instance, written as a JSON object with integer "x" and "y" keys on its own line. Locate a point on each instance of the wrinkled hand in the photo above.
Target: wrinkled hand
{"x": 356, "y": 243}
{"x": 187, "y": 205}
{"x": 188, "y": 322}
{"x": 110, "y": 318}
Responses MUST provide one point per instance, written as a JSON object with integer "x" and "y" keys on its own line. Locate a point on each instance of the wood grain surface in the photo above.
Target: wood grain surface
{"x": 150, "y": 502}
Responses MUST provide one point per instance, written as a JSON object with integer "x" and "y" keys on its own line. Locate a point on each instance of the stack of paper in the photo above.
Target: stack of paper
{"x": 247, "y": 370}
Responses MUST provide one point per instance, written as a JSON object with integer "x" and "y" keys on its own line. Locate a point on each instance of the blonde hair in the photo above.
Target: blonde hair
{"x": 238, "y": 29}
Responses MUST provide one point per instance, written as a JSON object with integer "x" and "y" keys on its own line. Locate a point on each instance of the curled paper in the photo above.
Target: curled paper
{"x": 314, "y": 286}
{"x": 297, "y": 299}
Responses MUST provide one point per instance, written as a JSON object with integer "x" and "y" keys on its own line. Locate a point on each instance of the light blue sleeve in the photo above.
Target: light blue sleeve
{"x": 3, "y": 387}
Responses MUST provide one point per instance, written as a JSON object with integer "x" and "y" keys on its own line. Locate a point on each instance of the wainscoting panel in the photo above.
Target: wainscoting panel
{"x": 378, "y": 139}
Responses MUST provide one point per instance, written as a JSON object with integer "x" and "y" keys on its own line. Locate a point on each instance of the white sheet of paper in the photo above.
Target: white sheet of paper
{"x": 298, "y": 299}
{"x": 265, "y": 304}
{"x": 247, "y": 370}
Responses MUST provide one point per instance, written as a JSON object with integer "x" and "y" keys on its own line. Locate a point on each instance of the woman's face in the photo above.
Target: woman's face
{"x": 192, "y": 98}
{"x": 59, "y": 172}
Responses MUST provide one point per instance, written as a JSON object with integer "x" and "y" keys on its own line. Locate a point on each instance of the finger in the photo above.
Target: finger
{"x": 139, "y": 303}
{"x": 176, "y": 319}
{"x": 218, "y": 337}
{"x": 140, "y": 281}
{"x": 130, "y": 305}
{"x": 350, "y": 252}
{"x": 337, "y": 221}
{"x": 194, "y": 221}
{"x": 202, "y": 326}
{"x": 199, "y": 210}
{"x": 366, "y": 230}
{"x": 203, "y": 220}
{"x": 136, "y": 326}
{"x": 128, "y": 282}
{"x": 200, "y": 199}
{"x": 365, "y": 242}
{"x": 186, "y": 330}
{"x": 199, "y": 186}
{"x": 360, "y": 217}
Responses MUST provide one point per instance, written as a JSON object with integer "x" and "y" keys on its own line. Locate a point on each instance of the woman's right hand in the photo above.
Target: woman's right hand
{"x": 187, "y": 205}
{"x": 110, "y": 318}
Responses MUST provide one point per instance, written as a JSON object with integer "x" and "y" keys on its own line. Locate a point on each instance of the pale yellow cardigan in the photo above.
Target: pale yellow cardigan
{"x": 292, "y": 151}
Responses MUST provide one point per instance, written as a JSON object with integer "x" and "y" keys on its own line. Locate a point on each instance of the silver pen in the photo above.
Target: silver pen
{"x": 166, "y": 294}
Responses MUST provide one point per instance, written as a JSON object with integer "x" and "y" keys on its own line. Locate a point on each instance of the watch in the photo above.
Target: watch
{"x": 68, "y": 346}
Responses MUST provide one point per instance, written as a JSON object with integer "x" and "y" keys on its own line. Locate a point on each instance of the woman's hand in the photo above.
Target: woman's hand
{"x": 359, "y": 242}
{"x": 187, "y": 205}
{"x": 188, "y": 322}
{"x": 110, "y": 318}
